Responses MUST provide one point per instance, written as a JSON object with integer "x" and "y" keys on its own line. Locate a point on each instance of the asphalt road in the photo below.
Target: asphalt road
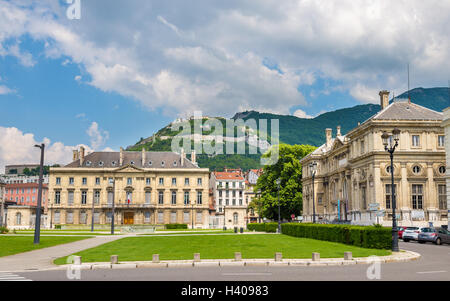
{"x": 434, "y": 265}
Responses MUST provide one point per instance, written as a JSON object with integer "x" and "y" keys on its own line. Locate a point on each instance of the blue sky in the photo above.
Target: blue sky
{"x": 122, "y": 72}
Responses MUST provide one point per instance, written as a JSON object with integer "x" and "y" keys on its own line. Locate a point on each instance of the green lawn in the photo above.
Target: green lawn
{"x": 10, "y": 245}
{"x": 191, "y": 233}
{"x": 218, "y": 247}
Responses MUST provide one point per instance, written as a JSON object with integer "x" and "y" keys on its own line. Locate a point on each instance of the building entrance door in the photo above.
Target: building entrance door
{"x": 128, "y": 218}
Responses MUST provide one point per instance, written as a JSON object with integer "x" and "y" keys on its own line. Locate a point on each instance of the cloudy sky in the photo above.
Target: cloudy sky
{"x": 127, "y": 68}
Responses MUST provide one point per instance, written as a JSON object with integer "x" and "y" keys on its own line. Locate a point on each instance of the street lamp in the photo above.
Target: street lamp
{"x": 313, "y": 170}
{"x": 278, "y": 181}
{"x": 259, "y": 205}
{"x": 37, "y": 225}
{"x": 192, "y": 217}
{"x": 113, "y": 182}
{"x": 389, "y": 146}
{"x": 224, "y": 226}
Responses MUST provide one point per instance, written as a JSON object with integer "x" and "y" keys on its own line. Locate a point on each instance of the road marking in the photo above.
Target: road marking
{"x": 246, "y": 274}
{"x": 431, "y": 272}
{"x": 12, "y": 277}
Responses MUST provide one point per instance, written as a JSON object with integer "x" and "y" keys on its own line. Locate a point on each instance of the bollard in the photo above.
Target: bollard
{"x": 114, "y": 259}
{"x": 235, "y": 229}
{"x": 237, "y": 256}
{"x": 77, "y": 260}
{"x": 348, "y": 256}
{"x": 196, "y": 257}
{"x": 315, "y": 256}
{"x": 278, "y": 256}
{"x": 242, "y": 230}
{"x": 155, "y": 258}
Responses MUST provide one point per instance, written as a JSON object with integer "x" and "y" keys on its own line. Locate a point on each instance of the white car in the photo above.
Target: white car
{"x": 412, "y": 233}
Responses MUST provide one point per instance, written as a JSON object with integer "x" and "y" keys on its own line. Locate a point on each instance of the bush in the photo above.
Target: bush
{"x": 176, "y": 226}
{"x": 370, "y": 237}
{"x": 264, "y": 227}
{"x": 3, "y": 230}
{"x": 57, "y": 227}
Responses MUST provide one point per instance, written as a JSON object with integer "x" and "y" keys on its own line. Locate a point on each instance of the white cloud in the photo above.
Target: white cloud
{"x": 302, "y": 114}
{"x": 5, "y": 90}
{"x": 17, "y": 147}
{"x": 364, "y": 94}
{"x": 97, "y": 136}
{"x": 78, "y": 78}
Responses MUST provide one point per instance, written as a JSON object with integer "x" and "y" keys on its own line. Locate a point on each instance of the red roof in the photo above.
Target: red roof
{"x": 25, "y": 185}
{"x": 228, "y": 175}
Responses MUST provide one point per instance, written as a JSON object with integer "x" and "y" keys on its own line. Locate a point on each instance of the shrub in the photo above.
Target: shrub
{"x": 264, "y": 227}
{"x": 3, "y": 230}
{"x": 57, "y": 227}
{"x": 361, "y": 236}
{"x": 176, "y": 226}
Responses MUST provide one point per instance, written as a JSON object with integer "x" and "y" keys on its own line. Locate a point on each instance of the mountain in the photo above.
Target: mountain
{"x": 294, "y": 130}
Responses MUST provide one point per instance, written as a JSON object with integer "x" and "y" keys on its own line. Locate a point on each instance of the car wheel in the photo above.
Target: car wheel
{"x": 405, "y": 240}
{"x": 421, "y": 242}
{"x": 438, "y": 241}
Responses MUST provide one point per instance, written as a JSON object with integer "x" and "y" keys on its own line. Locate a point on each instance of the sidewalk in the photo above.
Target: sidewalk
{"x": 43, "y": 258}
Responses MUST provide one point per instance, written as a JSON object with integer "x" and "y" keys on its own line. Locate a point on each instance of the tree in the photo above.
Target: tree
{"x": 289, "y": 170}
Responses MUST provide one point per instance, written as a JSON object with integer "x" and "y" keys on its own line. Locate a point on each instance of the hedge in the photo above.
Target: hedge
{"x": 371, "y": 237}
{"x": 176, "y": 226}
{"x": 3, "y": 230}
{"x": 264, "y": 227}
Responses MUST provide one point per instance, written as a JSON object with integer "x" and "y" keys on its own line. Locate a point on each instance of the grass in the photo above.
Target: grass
{"x": 10, "y": 245}
{"x": 218, "y": 247}
{"x": 191, "y": 233}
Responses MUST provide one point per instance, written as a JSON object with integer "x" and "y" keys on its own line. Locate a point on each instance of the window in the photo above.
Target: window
{"x": 147, "y": 217}
{"x": 442, "y": 195}
{"x": 100, "y": 163}
{"x": 234, "y": 202}
{"x": 362, "y": 146}
{"x": 174, "y": 181}
{"x": 220, "y": 202}
{"x": 110, "y": 197}
{"x": 160, "y": 217}
{"x": 108, "y": 217}
{"x": 83, "y": 197}
{"x": 69, "y": 217}
{"x": 173, "y": 217}
{"x": 58, "y": 181}
{"x": 161, "y": 198}
{"x": 186, "y": 197}
{"x": 441, "y": 141}
{"x": 97, "y": 197}
{"x": 174, "y": 163}
{"x": 442, "y": 170}
{"x": 389, "y": 195}
{"x": 71, "y": 181}
{"x": 57, "y": 217}
{"x": 240, "y": 202}
{"x": 129, "y": 181}
{"x": 416, "y": 169}
{"x": 199, "y": 197}
{"x": 186, "y": 217}
{"x": 83, "y": 217}
{"x": 174, "y": 197}
{"x": 97, "y": 181}
{"x": 199, "y": 181}
{"x": 415, "y": 140}
{"x": 363, "y": 198}
{"x": 57, "y": 197}
{"x": 84, "y": 181}
{"x": 163, "y": 163}
{"x": 148, "y": 196}
{"x": 417, "y": 196}
{"x": 199, "y": 218}
{"x": 18, "y": 218}
{"x": 96, "y": 217}
{"x": 129, "y": 199}
{"x": 70, "y": 198}
{"x": 161, "y": 181}
{"x": 186, "y": 181}
{"x": 220, "y": 193}
{"x": 388, "y": 169}
{"x": 235, "y": 218}
{"x": 147, "y": 181}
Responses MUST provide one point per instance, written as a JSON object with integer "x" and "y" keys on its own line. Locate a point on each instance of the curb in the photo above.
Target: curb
{"x": 403, "y": 256}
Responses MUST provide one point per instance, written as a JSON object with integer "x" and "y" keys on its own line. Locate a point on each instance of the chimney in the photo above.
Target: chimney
{"x": 384, "y": 99}
{"x": 193, "y": 157}
{"x": 338, "y": 129}
{"x": 121, "y": 157}
{"x": 183, "y": 156}
{"x": 328, "y": 135}
{"x": 75, "y": 155}
{"x": 143, "y": 157}
{"x": 81, "y": 155}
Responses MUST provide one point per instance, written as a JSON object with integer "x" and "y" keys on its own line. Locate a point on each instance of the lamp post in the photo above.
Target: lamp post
{"x": 192, "y": 217}
{"x": 259, "y": 205}
{"x": 224, "y": 217}
{"x": 313, "y": 170}
{"x": 93, "y": 211}
{"x": 278, "y": 181}
{"x": 390, "y": 148}
{"x": 37, "y": 225}
{"x": 113, "y": 182}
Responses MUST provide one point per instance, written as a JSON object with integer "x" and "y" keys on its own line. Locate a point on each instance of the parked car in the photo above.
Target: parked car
{"x": 434, "y": 235}
{"x": 411, "y": 233}
{"x": 401, "y": 229}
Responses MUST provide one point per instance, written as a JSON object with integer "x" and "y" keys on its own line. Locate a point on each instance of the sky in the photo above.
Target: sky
{"x": 121, "y": 70}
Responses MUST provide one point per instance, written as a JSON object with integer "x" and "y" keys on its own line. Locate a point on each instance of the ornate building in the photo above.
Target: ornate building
{"x": 146, "y": 188}
{"x": 446, "y": 125}
{"x": 353, "y": 178}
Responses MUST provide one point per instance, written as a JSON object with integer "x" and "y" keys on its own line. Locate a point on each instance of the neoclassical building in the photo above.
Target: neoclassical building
{"x": 147, "y": 188}
{"x": 446, "y": 125}
{"x": 353, "y": 178}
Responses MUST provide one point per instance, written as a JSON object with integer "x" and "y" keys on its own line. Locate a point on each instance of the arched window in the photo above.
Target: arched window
{"x": 235, "y": 218}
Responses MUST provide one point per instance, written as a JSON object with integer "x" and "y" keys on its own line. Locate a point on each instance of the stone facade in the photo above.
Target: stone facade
{"x": 152, "y": 188}
{"x": 446, "y": 125}
{"x": 23, "y": 217}
{"x": 353, "y": 173}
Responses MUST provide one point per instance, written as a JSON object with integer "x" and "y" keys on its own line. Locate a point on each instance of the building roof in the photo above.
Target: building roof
{"x": 152, "y": 160}
{"x": 222, "y": 175}
{"x": 25, "y": 185}
{"x": 404, "y": 110}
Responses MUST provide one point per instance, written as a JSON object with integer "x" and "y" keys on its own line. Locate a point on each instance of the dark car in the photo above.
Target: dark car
{"x": 434, "y": 235}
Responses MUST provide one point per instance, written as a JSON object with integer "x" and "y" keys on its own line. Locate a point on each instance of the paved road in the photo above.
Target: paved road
{"x": 433, "y": 266}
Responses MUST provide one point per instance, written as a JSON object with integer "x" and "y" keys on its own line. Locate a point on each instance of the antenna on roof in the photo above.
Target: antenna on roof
{"x": 409, "y": 97}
